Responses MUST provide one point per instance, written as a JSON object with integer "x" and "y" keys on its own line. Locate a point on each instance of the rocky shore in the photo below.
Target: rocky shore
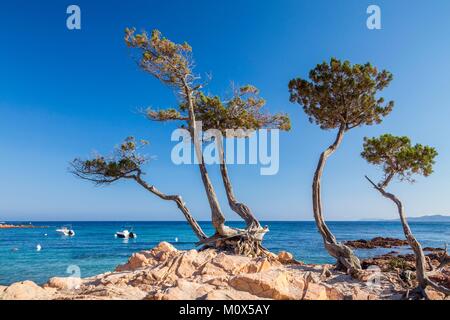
{"x": 378, "y": 242}
{"x": 165, "y": 273}
{"x": 20, "y": 226}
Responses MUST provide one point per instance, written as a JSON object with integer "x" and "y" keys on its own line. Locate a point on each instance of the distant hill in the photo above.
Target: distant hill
{"x": 429, "y": 218}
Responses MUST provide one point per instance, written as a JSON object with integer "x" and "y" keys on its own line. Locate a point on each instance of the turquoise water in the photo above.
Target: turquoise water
{"x": 94, "y": 249}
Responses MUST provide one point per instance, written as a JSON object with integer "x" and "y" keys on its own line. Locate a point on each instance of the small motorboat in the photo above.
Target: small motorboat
{"x": 126, "y": 233}
{"x": 66, "y": 231}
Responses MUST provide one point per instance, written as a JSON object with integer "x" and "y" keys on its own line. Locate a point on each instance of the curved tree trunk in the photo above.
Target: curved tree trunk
{"x": 217, "y": 217}
{"x": 346, "y": 260}
{"x": 421, "y": 263}
{"x": 181, "y": 205}
{"x": 241, "y": 209}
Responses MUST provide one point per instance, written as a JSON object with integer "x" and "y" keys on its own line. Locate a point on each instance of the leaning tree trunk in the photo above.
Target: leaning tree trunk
{"x": 181, "y": 205}
{"x": 239, "y": 241}
{"x": 346, "y": 260}
{"x": 217, "y": 217}
{"x": 421, "y": 263}
{"x": 241, "y": 209}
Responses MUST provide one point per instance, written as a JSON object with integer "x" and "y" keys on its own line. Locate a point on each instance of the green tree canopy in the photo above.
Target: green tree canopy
{"x": 169, "y": 62}
{"x": 398, "y": 157}
{"x": 244, "y": 110}
{"x": 125, "y": 162}
{"x": 341, "y": 95}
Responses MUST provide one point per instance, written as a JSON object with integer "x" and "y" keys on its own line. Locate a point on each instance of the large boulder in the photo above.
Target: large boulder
{"x": 272, "y": 284}
{"x": 163, "y": 251}
{"x": 285, "y": 257}
{"x": 136, "y": 261}
{"x": 157, "y": 255}
{"x": 26, "y": 290}
{"x": 68, "y": 283}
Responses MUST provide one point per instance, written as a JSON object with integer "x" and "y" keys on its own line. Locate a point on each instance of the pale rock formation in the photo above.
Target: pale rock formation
{"x": 164, "y": 273}
{"x": 26, "y": 290}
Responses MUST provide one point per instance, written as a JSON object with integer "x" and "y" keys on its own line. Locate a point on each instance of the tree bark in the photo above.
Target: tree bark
{"x": 181, "y": 205}
{"x": 345, "y": 257}
{"x": 241, "y": 209}
{"x": 421, "y": 263}
{"x": 217, "y": 217}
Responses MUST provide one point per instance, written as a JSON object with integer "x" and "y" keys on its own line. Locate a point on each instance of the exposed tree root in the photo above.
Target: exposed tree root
{"x": 240, "y": 242}
{"x": 346, "y": 259}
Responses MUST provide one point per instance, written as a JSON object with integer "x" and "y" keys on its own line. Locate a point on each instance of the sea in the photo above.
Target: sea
{"x": 95, "y": 250}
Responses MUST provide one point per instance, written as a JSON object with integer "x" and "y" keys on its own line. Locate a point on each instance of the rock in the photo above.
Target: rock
{"x": 164, "y": 273}
{"x": 218, "y": 282}
{"x": 431, "y": 249}
{"x": 442, "y": 279}
{"x": 231, "y": 264}
{"x": 397, "y": 262}
{"x": 314, "y": 291}
{"x": 163, "y": 251}
{"x": 334, "y": 294}
{"x": 378, "y": 242}
{"x": 69, "y": 283}
{"x": 285, "y": 257}
{"x": 183, "y": 290}
{"x": 213, "y": 270}
{"x": 186, "y": 265}
{"x": 229, "y": 294}
{"x": 116, "y": 292}
{"x": 272, "y": 284}
{"x": 26, "y": 290}
{"x": 259, "y": 265}
{"x": 137, "y": 260}
{"x": 359, "y": 294}
{"x": 224, "y": 264}
{"x": 435, "y": 295}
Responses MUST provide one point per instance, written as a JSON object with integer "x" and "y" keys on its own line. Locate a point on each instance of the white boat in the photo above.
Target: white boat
{"x": 66, "y": 231}
{"x": 126, "y": 234}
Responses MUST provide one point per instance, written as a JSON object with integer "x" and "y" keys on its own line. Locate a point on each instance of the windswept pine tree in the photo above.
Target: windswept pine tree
{"x": 172, "y": 64}
{"x": 398, "y": 158}
{"x": 127, "y": 164}
{"x": 238, "y": 117}
{"x": 340, "y": 96}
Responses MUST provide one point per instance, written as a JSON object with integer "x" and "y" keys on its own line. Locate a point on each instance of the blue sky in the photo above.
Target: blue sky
{"x": 66, "y": 93}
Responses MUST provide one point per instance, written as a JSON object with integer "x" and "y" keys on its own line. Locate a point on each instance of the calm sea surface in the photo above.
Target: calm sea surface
{"x": 94, "y": 249}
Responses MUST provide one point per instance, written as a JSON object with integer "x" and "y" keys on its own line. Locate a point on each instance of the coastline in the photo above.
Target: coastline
{"x": 165, "y": 273}
{"x": 21, "y": 226}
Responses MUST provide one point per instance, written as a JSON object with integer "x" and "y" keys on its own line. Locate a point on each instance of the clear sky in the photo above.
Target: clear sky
{"x": 66, "y": 93}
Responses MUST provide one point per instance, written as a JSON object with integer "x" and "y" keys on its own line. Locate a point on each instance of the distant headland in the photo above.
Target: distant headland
{"x": 426, "y": 218}
{"x": 20, "y": 226}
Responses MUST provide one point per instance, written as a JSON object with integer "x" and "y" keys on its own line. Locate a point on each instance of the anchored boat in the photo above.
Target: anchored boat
{"x": 126, "y": 233}
{"x": 66, "y": 231}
